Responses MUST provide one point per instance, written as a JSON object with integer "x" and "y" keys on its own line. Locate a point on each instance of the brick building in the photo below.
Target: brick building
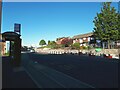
{"x": 60, "y": 40}
{"x": 84, "y": 39}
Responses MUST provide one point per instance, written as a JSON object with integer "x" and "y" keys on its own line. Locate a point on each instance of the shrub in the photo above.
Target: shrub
{"x": 76, "y": 45}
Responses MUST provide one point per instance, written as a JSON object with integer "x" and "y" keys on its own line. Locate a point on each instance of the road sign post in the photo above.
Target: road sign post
{"x": 17, "y": 28}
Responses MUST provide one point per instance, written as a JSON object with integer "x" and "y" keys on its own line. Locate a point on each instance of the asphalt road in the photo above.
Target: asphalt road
{"x": 95, "y": 71}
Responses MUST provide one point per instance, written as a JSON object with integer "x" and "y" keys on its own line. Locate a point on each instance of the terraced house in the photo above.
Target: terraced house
{"x": 88, "y": 39}
{"x": 84, "y": 39}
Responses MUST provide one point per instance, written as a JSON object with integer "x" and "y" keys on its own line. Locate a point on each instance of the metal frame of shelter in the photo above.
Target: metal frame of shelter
{"x": 15, "y": 54}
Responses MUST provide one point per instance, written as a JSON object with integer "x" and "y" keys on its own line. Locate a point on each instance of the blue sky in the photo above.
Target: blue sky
{"x": 48, "y": 21}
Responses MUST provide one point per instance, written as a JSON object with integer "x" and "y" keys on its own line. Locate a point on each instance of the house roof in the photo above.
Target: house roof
{"x": 82, "y": 35}
{"x": 61, "y": 38}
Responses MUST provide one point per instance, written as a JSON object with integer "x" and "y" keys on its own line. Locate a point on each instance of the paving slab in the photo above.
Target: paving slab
{"x": 15, "y": 77}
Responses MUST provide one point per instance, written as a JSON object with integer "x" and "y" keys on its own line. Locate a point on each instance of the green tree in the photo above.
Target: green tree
{"x": 119, "y": 25}
{"x": 48, "y": 42}
{"x": 76, "y": 45}
{"x": 52, "y": 44}
{"x": 106, "y": 24}
{"x": 42, "y": 42}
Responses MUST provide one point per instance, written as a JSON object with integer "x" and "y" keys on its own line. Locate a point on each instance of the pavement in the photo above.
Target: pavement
{"x": 13, "y": 77}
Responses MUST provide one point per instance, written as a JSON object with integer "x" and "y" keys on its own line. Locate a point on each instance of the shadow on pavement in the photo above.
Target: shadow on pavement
{"x": 14, "y": 79}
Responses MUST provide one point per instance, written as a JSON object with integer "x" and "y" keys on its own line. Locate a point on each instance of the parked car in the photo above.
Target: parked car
{"x": 32, "y": 51}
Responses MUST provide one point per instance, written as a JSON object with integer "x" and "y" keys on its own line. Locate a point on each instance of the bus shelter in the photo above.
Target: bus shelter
{"x": 14, "y": 47}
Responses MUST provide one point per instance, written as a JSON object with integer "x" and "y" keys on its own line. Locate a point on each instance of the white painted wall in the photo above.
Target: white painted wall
{"x": 81, "y": 41}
